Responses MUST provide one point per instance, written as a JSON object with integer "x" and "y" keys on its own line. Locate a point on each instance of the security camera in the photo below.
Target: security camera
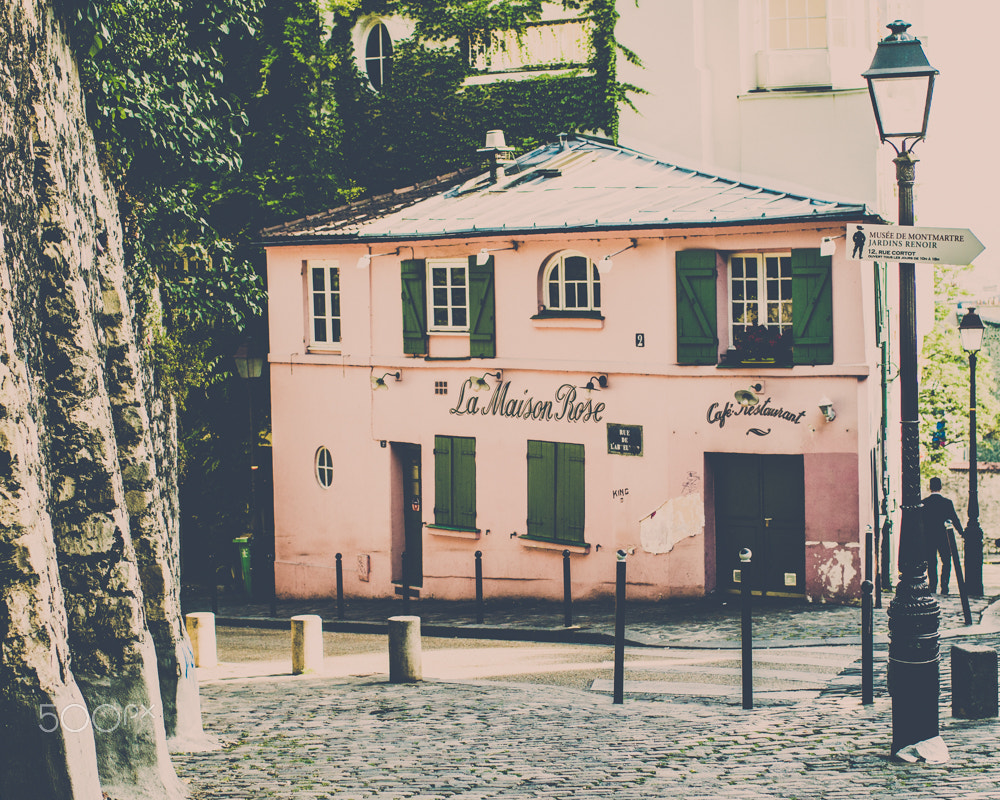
{"x": 622, "y": 555}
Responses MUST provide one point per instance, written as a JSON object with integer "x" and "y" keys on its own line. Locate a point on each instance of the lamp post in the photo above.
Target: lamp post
{"x": 971, "y": 332}
{"x": 249, "y": 366}
{"x": 901, "y": 83}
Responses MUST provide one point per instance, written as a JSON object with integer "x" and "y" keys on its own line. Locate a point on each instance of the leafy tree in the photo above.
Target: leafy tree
{"x": 944, "y": 384}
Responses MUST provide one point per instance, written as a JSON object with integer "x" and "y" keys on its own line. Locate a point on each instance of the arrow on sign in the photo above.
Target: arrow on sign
{"x": 902, "y": 243}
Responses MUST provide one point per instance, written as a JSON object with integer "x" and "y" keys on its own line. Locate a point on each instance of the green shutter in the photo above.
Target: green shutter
{"x": 442, "y": 480}
{"x": 697, "y": 339}
{"x": 541, "y": 489}
{"x": 570, "y": 492}
{"x": 482, "y": 308}
{"x": 463, "y": 479}
{"x": 812, "y": 307}
{"x": 414, "y": 280}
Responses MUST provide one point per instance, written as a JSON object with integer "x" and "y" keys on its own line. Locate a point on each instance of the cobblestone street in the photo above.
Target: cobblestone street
{"x": 357, "y": 736}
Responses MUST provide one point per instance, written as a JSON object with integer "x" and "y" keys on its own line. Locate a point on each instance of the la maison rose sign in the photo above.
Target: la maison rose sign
{"x": 567, "y": 404}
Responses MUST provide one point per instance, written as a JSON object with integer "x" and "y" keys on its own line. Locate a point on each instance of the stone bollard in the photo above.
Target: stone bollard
{"x": 307, "y": 643}
{"x": 404, "y": 650}
{"x": 973, "y": 682}
{"x": 201, "y": 631}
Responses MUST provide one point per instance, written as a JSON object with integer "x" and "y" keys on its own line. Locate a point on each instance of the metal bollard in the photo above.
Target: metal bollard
{"x": 479, "y": 587}
{"x": 340, "y": 586}
{"x": 959, "y": 576}
{"x": 215, "y": 583}
{"x": 619, "y": 678}
{"x": 405, "y": 665}
{"x": 406, "y": 583}
{"x": 746, "y": 628}
{"x": 567, "y": 592}
{"x": 867, "y": 644}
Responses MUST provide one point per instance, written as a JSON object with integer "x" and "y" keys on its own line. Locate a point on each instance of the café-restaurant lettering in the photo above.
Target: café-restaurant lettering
{"x": 565, "y": 405}
{"x": 717, "y": 415}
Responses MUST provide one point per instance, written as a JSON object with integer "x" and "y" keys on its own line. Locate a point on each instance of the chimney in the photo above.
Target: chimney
{"x": 496, "y": 148}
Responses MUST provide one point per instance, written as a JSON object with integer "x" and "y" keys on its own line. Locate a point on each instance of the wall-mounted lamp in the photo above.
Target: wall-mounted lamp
{"x": 379, "y": 383}
{"x": 827, "y": 410}
{"x": 596, "y": 383}
{"x": 605, "y": 264}
{"x": 479, "y": 384}
{"x": 484, "y": 255}
{"x": 828, "y": 245}
{"x": 749, "y": 397}
{"x": 365, "y": 261}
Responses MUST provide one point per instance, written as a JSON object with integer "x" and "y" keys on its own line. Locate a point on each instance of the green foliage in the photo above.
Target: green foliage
{"x": 944, "y": 384}
{"x": 425, "y": 121}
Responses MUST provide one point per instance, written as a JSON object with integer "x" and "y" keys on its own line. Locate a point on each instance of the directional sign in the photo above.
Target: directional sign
{"x": 957, "y": 246}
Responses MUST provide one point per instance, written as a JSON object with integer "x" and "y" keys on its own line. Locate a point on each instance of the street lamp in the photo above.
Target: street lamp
{"x": 971, "y": 332}
{"x": 901, "y": 83}
{"x": 249, "y": 366}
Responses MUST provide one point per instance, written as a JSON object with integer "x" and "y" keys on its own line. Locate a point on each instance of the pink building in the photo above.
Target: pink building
{"x": 456, "y": 367}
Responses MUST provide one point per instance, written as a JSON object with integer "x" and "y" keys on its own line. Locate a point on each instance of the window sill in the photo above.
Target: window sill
{"x": 454, "y": 533}
{"x": 763, "y": 364}
{"x": 552, "y": 544}
{"x": 568, "y": 319}
{"x": 324, "y": 350}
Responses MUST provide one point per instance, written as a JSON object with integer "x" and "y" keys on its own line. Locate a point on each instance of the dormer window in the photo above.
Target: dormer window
{"x": 378, "y": 55}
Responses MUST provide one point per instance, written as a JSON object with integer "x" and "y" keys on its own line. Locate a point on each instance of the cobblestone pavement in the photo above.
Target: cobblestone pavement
{"x": 359, "y": 738}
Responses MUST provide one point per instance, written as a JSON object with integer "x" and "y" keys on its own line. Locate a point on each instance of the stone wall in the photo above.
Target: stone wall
{"x": 89, "y": 609}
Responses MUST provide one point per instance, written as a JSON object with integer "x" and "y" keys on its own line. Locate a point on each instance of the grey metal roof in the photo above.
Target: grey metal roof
{"x": 578, "y": 184}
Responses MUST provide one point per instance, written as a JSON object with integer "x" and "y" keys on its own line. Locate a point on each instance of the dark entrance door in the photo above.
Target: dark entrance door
{"x": 411, "y": 557}
{"x": 760, "y": 504}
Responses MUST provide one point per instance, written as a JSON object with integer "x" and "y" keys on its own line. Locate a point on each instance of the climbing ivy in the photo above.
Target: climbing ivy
{"x": 427, "y": 121}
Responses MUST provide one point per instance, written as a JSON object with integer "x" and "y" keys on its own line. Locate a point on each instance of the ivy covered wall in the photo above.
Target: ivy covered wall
{"x": 424, "y": 121}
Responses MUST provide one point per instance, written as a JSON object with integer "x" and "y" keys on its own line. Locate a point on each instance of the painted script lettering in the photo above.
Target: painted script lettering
{"x": 565, "y": 405}
{"x": 717, "y": 415}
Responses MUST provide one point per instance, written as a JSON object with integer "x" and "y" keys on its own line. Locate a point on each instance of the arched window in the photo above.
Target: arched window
{"x": 324, "y": 467}
{"x": 571, "y": 283}
{"x": 378, "y": 55}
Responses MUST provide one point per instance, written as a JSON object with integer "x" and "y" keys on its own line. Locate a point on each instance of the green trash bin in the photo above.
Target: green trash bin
{"x": 243, "y": 543}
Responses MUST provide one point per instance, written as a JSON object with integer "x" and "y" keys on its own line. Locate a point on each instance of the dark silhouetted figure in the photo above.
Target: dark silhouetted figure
{"x": 938, "y": 510}
{"x": 859, "y": 242}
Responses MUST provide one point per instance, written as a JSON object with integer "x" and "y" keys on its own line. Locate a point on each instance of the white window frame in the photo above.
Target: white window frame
{"x": 811, "y": 15}
{"x": 450, "y": 303}
{"x": 761, "y": 301}
{"x": 331, "y": 297}
{"x": 380, "y": 60}
{"x": 323, "y": 467}
{"x": 558, "y": 264}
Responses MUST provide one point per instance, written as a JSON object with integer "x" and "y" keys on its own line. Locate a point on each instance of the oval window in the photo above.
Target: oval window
{"x": 324, "y": 467}
{"x": 378, "y": 55}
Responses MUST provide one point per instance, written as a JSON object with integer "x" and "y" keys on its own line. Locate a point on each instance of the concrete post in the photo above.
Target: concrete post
{"x": 404, "y": 650}
{"x": 973, "y": 682}
{"x": 307, "y": 643}
{"x": 201, "y": 631}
